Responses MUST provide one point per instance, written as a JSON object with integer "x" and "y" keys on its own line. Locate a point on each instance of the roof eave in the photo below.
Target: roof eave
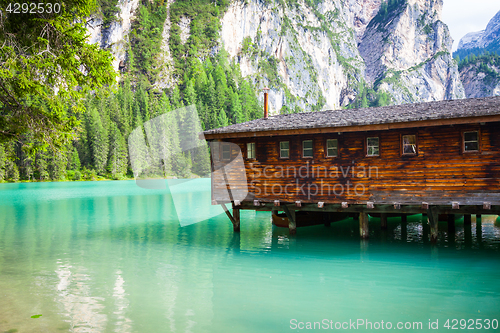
{"x": 357, "y": 128}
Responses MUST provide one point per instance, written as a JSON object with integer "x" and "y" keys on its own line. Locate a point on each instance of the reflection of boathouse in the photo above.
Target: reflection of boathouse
{"x": 433, "y": 158}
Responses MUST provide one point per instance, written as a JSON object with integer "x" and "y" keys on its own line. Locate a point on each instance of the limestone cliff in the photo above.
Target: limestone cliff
{"x": 483, "y": 38}
{"x": 480, "y": 66}
{"x": 320, "y": 54}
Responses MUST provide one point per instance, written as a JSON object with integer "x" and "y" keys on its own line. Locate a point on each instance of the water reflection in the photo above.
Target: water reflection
{"x": 123, "y": 263}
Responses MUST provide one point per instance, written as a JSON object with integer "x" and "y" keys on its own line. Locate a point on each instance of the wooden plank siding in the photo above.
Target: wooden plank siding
{"x": 439, "y": 170}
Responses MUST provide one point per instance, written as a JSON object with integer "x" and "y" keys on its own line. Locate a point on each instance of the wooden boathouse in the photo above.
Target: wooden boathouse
{"x": 430, "y": 158}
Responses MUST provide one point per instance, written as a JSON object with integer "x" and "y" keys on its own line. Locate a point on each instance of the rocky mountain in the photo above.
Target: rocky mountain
{"x": 315, "y": 54}
{"x": 479, "y": 63}
{"x": 484, "y": 38}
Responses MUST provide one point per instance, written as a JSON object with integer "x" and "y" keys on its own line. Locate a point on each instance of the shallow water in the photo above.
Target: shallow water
{"x": 113, "y": 257}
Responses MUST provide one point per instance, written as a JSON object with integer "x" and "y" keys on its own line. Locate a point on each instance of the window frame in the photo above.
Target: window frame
{"x": 401, "y": 145}
{"x": 288, "y": 149}
{"x": 326, "y": 148}
{"x": 366, "y": 145}
{"x": 462, "y": 144}
{"x": 312, "y": 148}
{"x": 249, "y": 144}
{"x": 222, "y": 151}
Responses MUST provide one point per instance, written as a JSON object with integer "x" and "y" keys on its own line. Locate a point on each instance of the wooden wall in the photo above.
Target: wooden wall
{"x": 440, "y": 172}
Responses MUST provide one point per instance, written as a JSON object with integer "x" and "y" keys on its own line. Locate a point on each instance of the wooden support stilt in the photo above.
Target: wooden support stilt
{"x": 467, "y": 219}
{"x": 292, "y": 225}
{"x": 432, "y": 214}
{"x": 363, "y": 225}
{"x": 478, "y": 217}
{"x": 404, "y": 218}
{"x": 383, "y": 221}
{"x": 451, "y": 227}
{"x": 425, "y": 229}
{"x": 235, "y": 218}
{"x": 479, "y": 231}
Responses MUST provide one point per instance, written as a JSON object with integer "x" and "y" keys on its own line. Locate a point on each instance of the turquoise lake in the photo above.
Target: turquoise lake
{"x": 115, "y": 257}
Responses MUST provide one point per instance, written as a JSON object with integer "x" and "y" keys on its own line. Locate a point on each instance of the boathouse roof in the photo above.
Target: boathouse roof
{"x": 446, "y": 112}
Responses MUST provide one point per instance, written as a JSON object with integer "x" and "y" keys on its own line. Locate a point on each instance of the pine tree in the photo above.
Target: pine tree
{"x": 190, "y": 93}
{"x": 236, "y": 116}
{"x": 117, "y": 162}
{"x": 41, "y": 163}
{"x": 98, "y": 142}
{"x": 222, "y": 120}
{"x": 57, "y": 165}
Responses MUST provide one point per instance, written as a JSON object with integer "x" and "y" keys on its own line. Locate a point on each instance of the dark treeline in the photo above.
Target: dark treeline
{"x": 487, "y": 63}
{"x": 214, "y": 86}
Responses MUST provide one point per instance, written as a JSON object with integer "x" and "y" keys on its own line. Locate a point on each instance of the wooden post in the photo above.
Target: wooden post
{"x": 451, "y": 227}
{"x": 403, "y": 218}
{"x": 383, "y": 220}
{"x": 479, "y": 232}
{"x": 467, "y": 219}
{"x": 425, "y": 229}
{"x": 292, "y": 225}
{"x": 235, "y": 218}
{"x": 478, "y": 216}
{"x": 433, "y": 217}
{"x": 363, "y": 225}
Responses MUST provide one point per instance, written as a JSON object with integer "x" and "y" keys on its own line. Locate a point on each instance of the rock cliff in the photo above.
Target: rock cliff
{"x": 483, "y": 38}
{"x": 321, "y": 54}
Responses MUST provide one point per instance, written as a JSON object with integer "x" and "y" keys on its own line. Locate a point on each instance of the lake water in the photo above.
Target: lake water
{"x": 113, "y": 257}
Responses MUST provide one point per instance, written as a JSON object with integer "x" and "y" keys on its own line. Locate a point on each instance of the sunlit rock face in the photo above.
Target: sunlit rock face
{"x": 114, "y": 37}
{"x": 478, "y": 83}
{"x": 482, "y": 78}
{"x": 483, "y": 38}
{"x": 408, "y": 54}
{"x": 325, "y": 53}
{"x": 322, "y": 56}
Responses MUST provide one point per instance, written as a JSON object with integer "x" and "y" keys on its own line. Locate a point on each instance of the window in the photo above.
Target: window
{"x": 284, "y": 149}
{"x": 471, "y": 141}
{"x": 226, "y": 152}
{"x": 251, "y": 150}
{"x": 372, "y": 146}
{"x": 409, "y": 143}
{"x": 307, "y": 148}
{"x": 331, "y": 148}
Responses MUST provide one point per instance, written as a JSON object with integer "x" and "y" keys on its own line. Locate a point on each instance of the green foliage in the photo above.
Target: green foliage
{"x": 204, "y": 31}
{"x": 98, "y": 145}
{"x": 41, "y": 78}
{"x": 388, "y": 10}
{"x": 146, "y": 40}
{"x": 368, "y": 97}
{"x": 487, "y": 63}
{"x": 492, "y": 49}
{"x": 109, "y": 10}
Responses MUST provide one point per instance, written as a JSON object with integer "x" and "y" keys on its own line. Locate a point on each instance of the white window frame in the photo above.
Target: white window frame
{"x": 251, "y": 150}
{"x": 336, "y": 147}
{"x": 311, "y": 149}
{"x": 285, "y": 149}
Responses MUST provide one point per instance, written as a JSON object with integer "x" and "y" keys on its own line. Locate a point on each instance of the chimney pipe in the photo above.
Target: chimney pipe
{"x": 266, "y": 112}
